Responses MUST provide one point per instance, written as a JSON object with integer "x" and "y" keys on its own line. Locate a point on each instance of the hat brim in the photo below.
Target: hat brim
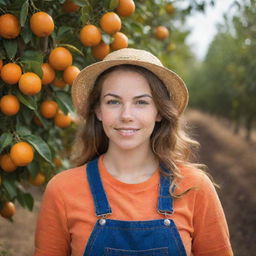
{"x": 84, "y": 82}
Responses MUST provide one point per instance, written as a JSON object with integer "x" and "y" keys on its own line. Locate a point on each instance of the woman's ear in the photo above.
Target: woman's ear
{"x": 158, "y": 118}
{"x": 98, "y": 113}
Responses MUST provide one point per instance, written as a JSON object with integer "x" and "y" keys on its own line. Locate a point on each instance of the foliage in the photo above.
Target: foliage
{"x": 224, "y": 84}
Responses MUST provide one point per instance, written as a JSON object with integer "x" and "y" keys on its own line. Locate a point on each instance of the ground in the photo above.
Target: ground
{"x": 231, "y": 161}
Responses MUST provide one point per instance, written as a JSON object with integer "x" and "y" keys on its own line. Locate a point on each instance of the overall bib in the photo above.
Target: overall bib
{"x": 130, "y": 238}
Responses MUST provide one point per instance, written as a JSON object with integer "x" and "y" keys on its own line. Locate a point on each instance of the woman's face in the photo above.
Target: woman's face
{"x": 127, "y": 110}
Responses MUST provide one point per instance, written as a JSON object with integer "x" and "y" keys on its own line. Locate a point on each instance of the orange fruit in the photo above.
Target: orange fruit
{"x": 120, "y": 41}
{"x": 60, "y": 58}
{"x": 8, "y": 210}
{"x": 22, "y": 153}
{"x": 11, "y": 73}
{"x": 70, "y": 6}
{"x": 41, "y": 24}
{"x": 100, "y": 51}
{"x": 161, "y": 32}
{"x": 9, "y": 26}
{"x": 110, "y": 23}
{"x": 48, "y": 108}
{"x": 169, "y": 8}
{"x": 61, "y": 120}
{"x": 90, "y": 35}
{"x": 70, "y": 74}
{"x": 7, "y": 164}
{"x": 57, "y": 162}
{"x": 37, "y": 121}
{"x": 38, "y": 180}
{"x": 10, "y": 105}
{"x": 48, "y": 74}
{"x": 125, "y": 8}
{"x": 30, "y": 83}
{"x": 60, "y": 83}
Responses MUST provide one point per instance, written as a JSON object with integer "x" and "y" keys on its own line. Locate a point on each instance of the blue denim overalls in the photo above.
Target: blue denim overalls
{"x": 130, "y": 238}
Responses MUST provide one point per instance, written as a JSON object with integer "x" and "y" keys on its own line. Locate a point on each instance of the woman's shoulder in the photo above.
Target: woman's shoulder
{"x": 69, "y": 177}
{"x": 194, "y": 177}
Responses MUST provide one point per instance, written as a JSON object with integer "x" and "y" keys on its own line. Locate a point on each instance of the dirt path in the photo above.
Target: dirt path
{"x": 232, "y": 163}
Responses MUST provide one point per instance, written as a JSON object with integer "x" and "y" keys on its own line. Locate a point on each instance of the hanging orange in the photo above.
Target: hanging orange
{"x": 7, "y": 164}
{"x": 70, "y": 74}
{"x": 48, "y": 108}
{"x": 125, "y": 8}
{"x": 90, "y": 35}
{"x": 9, "y": 105}
{"x": 100, "y": 51}
{"x": 70, "y": 6}
{"x": 9, "y": 26}
{"x": 30, "y": 83}
{"x": 61, "y": 120}
{"x": 22, "y": 153}
{"x": 8, "y": 210}
{"x": 60, "y": 58}
{"x": 110, "y": 23}
{"x": 161, "y": 32}
{"x": 41, "y": 24}
{"x": 120, "y": 41}
{"x": 48, "y": 74}
{"x": 11, "y": 73}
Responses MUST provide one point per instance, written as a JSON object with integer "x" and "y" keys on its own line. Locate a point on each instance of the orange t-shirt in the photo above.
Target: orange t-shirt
{"x": 67, "y": 217}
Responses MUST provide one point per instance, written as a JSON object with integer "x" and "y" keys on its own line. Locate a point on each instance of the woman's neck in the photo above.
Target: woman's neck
{"x": 130, "y": 165}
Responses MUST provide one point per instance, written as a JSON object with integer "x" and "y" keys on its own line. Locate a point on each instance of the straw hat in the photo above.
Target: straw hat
{"x": 83, "y": 84}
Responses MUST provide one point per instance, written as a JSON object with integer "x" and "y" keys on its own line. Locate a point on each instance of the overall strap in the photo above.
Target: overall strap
{"x": 101, "y": 204}
{"x": 165, "y": 201}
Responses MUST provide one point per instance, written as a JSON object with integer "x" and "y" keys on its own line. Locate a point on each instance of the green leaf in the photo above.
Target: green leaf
{"x": 63, "y": 30}
{"x": 5, "y": 140}
{"x": 22, "y": 130}
{"x": 11, "y": 47}
{"x": 113, "y": 4}
{"x": 65, "y": 99}
{"x": 24, "y": 13}
{"x": 86, "y": 12}
{"x": 33, "y": 55}
{"x": 10, "y": 187}
{"x": 33, "y": 168}
{"x": 40, "y": 146}
{"x": 72, "y": 48}
{"x": 26, "y": 34}
{"x": 26, "y": 100}
{"x": 81, "y": 3}
{"x": 26, "y": 200}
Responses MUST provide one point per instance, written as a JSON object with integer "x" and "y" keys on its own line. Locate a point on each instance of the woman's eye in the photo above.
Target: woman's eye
{"x": 142, "y": 102}
{"x": 112, "y": 102}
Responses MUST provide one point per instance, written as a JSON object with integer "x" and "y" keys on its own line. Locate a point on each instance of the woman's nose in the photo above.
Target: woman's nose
{"x": 126, "y": 112}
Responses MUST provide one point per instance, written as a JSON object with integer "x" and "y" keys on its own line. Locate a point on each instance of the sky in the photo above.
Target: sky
{"x": 203, "y": 27}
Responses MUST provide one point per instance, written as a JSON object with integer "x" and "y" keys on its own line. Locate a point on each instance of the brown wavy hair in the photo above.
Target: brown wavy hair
{"x": 169, "y": 141}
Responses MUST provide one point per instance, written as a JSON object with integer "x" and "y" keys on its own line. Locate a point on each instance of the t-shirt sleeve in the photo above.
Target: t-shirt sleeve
{"x": 211, "y": 235}
{"x": 52, "y": 237}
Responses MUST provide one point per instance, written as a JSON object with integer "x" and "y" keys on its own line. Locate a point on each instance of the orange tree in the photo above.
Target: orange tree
{"x": 43, "y": 46}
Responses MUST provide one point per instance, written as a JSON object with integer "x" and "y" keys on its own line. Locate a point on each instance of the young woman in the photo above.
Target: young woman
{"x": 134, "y": 191}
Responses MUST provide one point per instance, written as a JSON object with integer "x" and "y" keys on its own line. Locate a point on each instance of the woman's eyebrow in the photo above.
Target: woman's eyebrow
{"x": 136, "y": 97}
